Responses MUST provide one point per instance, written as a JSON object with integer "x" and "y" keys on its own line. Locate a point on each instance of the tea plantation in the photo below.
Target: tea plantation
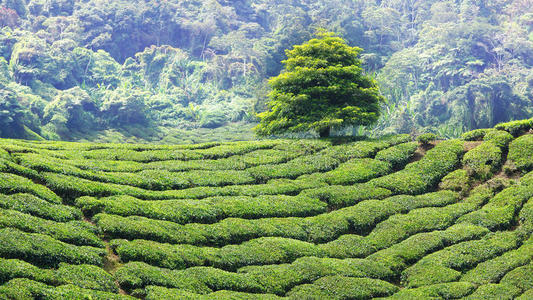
{"x": 297, "y": 219}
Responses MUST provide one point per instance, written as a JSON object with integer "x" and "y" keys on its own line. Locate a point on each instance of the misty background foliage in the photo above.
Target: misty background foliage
{"x": 190, "y": 71}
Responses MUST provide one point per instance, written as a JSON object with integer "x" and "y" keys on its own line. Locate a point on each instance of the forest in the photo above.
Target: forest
{"x": 195, "y": 71}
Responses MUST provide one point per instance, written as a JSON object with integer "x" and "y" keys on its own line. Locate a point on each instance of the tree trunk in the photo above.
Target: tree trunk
{"x": 324, "y": 132}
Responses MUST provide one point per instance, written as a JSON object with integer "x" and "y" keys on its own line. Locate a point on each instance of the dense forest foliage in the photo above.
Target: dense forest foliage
{"x": 115, "y": 70}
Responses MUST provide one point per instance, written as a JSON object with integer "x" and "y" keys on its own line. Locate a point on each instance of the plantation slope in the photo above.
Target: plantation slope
{"x": 297, "y": 219}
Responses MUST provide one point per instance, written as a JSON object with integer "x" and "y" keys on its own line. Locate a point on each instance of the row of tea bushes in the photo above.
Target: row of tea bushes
{"x": 84, "y": 276}
{"x": 398, "y": 156}
{"x": 399, "y": 256}
{"x": 12, "y": 184}
{"x": 492, "y": 271}
{"x": 158, "y": 292}
{"x": 483, "y": 160}
{"x": 45, "y": 251}
{"x": 29, "y": 204}
{"x": 341, "y": 287}
{"x": 22, "y": 288}
{"x": 422, "y": 175}
{"x": 502, "y": 210}
{"x": 521, "y": 153}
{"x": 357, "y": 170}
{"x": 359, "y": 218}
{"x": 207, "y": 210}
{"x": 73, "y": 232}
{"x": 448, "y": 264}
{"x": 262, "y": 251}
{"x": 450, "y": 290}
{"x": 270, "y": 279}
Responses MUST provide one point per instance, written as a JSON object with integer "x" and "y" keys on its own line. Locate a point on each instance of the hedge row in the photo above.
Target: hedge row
{"x": 492, "y": 271}
{"x": 501, "y": 211}
{"x": 74, "y": 187}
{"x": 359, "y": 218}
{"x": 395, "y": 229}
{"x": 340, "y": 287}
{"x": 520, "y": 277}
{"x": 476, "y": 134}
{"x": 147, "y": 179}
{"x": 446, "y": 265}
{"x": 84, "y": 276}
{"x": 261, "y": 251}
{"x": 422, "y": 175}
{"x": 457, "y": 181}
{"x": 399, "y": 256}
{"x": 398, "y": 156}
{"x": 357, "y": 170}
{"x": 516, "y": 128}
{"x": 22, "y": 288}
{"x": 236, "y": 162}
{"x": 521, "y": 153}
{"x": 450, "y": 290}
{"x": 337, "y": 196}
{"x": 208, "y": 210}
{"x": 499, "y": 138}
{"x": 45, "y": 251}
{"x": 271, "y": 279}
{"x": 495, "y": 291}
{"x": 32, "y": 205}
{"x": 294, "y": 168}
{"x": 73, "y": 232}
{"x": 11, "y": 184}
{"x": 483, "y": 160}
{"x": 157, "y": 292}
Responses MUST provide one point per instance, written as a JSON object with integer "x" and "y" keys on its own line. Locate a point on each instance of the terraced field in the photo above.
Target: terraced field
{"x": 298, "y": 219}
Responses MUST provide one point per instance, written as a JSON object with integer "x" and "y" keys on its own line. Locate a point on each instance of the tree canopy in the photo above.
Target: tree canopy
{"x": 322, "y": 86}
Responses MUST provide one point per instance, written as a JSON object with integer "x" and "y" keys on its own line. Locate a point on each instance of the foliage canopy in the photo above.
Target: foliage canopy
{"x": 321, "y": 87}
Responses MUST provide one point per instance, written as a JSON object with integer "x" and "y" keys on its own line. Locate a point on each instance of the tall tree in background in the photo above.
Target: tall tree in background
{"x": 321, "y": 87}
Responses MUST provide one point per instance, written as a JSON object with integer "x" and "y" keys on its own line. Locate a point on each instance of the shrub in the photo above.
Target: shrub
{"x": 451, "y": 290}
{"x": 22, "y": 288}
{"x": 260, "y": 251}
{"x": 87, "y": 277}
{"x": 11, "y": 184}
{"x": 207, "y": 210}
{"x": 158, "y": 292}
{"x": 446, "y": 265}
{"x": 15, "y": 268}
{"x": 398, "y": 156}
{"x": 201, "y": 280}
{"x": 493, "y": 270}
{"x": 457, "y": 181}
{"x": 340, "y": 287}
{"x": 422, "y": 175}
{"x": 32, "y": 205}
{"x": 45, "y": 251}
{"x": 357, "y": 170}
{"x": 74, "y": 232}
{"x": 526, "y": 295}
{"x": 483, "y": 160}
{"x": 321, "y": 228}
{"x": 476, "y": 134}
{"x": 337, "y": 196}
{"x": 426, "y": 138}
{"x": 499, "y": 138}
{"x": 495, "y": 291}
{"x": 520, "y": 277}
{"x": 399, "y": 256}
{"x": 500, "y": 212}
{"x": 516, "y": 127}
{"x": 294, "y": 168}
{"x": 521, "y": 153}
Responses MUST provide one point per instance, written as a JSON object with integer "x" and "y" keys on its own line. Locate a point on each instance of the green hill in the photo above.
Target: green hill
{"x": 315, "y": 219}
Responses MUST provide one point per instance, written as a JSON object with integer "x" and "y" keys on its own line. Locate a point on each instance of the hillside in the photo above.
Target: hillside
{"x": 270, "y": 219}
{"x": 180, "y": 71}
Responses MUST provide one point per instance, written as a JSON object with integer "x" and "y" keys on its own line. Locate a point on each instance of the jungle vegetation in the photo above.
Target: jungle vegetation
{"x": 192, "y": 71}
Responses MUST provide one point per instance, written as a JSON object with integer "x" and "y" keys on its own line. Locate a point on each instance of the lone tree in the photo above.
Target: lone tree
{"x": 321, "y": 87}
